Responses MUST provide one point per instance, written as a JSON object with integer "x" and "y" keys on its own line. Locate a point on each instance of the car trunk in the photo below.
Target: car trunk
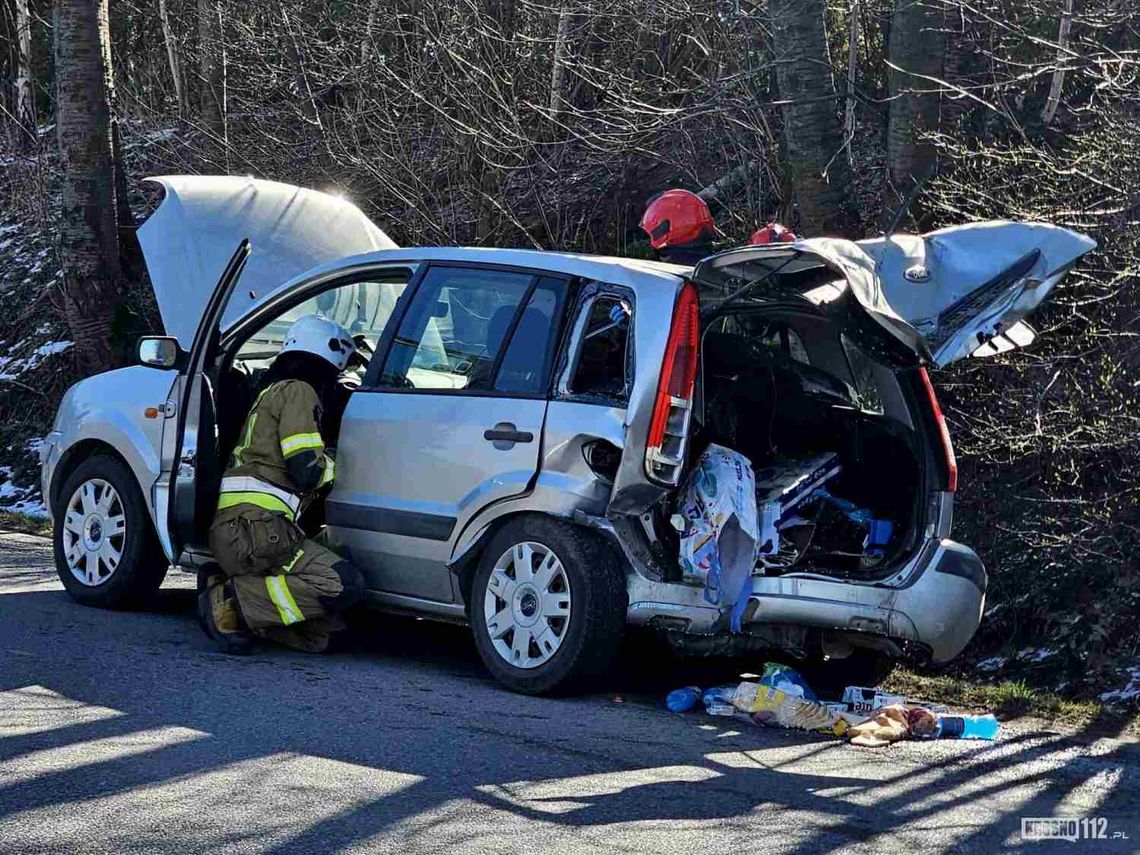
{"x": 789, "y": 386}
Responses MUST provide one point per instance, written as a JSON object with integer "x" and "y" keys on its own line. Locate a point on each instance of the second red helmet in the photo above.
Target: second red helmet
{"x": 676, "y": 218}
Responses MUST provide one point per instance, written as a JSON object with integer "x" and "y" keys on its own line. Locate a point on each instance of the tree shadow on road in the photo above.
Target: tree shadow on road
{"x": 406, "y": 740}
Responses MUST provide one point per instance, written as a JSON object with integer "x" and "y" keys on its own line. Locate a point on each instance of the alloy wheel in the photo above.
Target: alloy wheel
{"x": 94, "y": 532}
{"x": 527, "y": 605}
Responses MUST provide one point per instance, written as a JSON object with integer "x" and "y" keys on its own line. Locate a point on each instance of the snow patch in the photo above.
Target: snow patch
{"x": 22, "y": 500}
{"x": 1034, "y": 655}
{"x": 11, "y": 367}
{"x": 993, "y": 663}
{"x": 1130, "y": 692}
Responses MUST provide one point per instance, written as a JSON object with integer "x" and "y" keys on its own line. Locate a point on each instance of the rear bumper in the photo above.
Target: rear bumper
{"x": 937, "y": 602}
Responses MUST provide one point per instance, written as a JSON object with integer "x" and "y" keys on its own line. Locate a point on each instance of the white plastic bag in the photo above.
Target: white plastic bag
{"x": 719, "y": 540}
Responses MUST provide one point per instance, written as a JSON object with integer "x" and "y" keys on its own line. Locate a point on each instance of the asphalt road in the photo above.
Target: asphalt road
{"x": 125, "y": 732}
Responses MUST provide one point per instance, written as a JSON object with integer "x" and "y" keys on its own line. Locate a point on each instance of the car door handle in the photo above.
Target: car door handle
{"x": 507, "y": 432}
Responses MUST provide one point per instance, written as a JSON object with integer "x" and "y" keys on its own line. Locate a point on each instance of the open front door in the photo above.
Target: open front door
{"x": 196, "y": 467}
{"x": 948, "y": 294}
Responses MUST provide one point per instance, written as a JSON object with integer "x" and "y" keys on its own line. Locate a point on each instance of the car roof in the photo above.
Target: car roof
{"x": 632, "y": 272}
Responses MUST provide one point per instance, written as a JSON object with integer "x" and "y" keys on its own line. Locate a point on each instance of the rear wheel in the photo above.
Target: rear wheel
{"x": 547, "y": 606}
{"x": 106, "y": 551}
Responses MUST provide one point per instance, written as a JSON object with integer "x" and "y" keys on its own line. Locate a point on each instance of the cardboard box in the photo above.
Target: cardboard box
{"x": 862, "y": 700}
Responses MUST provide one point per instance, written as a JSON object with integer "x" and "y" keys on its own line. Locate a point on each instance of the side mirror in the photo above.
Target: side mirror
{"x": 160, "y": 351}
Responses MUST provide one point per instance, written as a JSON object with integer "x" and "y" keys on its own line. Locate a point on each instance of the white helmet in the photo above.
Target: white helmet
{"x": 321, "y": 337}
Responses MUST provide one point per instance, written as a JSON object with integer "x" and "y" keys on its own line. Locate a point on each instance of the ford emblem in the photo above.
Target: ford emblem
{"x": 918, "y": 273}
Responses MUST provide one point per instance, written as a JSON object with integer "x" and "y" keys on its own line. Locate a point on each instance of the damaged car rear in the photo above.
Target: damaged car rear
{"x": 810, "y": 360}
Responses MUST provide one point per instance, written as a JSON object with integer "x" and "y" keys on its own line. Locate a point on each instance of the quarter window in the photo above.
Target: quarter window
{"x": 600, "y": 368}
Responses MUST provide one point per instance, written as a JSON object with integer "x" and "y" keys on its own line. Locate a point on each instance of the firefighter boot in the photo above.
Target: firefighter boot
{"x": 220, "y": 619}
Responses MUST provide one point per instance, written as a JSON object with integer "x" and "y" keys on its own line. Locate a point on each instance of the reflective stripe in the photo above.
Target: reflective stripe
{"x": 250, "y": 484}
{"x": 278, "y": 590}
{"x": 261, "y": 500}
{"x": 301, "y": 442}
{"x": 240, "y": 450}
{"x": 293, "y": 562}
{"x": 329, "y": 472}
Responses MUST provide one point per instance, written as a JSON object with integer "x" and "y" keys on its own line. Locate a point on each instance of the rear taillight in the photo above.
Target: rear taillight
{"x": 669, "y": 429}
{"x": 943, "y": 432}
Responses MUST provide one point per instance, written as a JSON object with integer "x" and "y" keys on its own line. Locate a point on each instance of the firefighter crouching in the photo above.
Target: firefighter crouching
{"x": 277, "y": 584}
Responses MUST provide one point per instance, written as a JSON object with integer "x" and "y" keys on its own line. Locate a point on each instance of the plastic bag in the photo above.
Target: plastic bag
{"x": 769, "y": 705}
{"x": 718, "y": 543}
{"x": 787, "y": 680}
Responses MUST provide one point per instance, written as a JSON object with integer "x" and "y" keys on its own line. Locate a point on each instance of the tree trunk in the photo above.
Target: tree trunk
{"x": 89, "y": 240}
{"x": 1054, "y": 99}
{"x": 212, "y": 97}
{"x": 172, "y": 58}
{"x": 369, "y": 27}
{"x": 852, "y": 69}
{"x": 23, "y": 95}
{"x": 918, "y": 46}
{"x": 558, "y": 66}
{"x": 816, "y": 171}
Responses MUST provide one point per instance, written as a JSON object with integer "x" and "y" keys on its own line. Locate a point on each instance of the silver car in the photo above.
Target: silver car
{"x": 519, "y": 425}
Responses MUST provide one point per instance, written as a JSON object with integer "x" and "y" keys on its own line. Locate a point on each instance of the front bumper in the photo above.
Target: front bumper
{"x": 936, "y": 602}
{"x": 49, "y": 459}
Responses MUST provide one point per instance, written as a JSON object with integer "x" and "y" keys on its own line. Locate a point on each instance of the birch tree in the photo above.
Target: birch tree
{"x": 23, "y": 90}
{"x": 173, "y": 60}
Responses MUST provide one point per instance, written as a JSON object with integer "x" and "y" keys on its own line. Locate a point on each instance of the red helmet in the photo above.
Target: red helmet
{"x": 771, "y": 233}
{"x": 676, "y": 218}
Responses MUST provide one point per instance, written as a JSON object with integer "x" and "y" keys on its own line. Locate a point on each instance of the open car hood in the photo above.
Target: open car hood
{"x": 198, "y": 225}
{"x": 946, "y": 294}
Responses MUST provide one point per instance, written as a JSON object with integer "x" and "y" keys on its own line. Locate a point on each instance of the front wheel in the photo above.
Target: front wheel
{"x": 547, "y": 606}
{"x": 106, "y": 551}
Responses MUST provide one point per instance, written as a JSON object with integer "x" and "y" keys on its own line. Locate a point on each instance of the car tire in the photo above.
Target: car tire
{"x": 563, "y": 653}
{"x": 87, "y": 519}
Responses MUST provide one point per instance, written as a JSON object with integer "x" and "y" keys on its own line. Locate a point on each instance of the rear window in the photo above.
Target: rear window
{"x": 863, "y": 372}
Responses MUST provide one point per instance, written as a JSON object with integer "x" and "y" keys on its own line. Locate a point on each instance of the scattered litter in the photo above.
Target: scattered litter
{"x": 965, "y": 727}
{"x": 683, "y": 700}
{"x": 868, "y": 717}
{"x": 718, "y": 529}
{"x": 992, "y": 663}
{"x": 769, "y": 705}
{"x": 887, "y": 725}
{"x": 861, "y": 700}
{"x": 787, "y": 680}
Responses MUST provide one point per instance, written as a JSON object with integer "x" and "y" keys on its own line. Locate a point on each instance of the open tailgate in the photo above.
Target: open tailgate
{"x": 948, "y": 294}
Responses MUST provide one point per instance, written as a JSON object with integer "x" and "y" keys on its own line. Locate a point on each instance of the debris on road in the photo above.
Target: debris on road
{"x": 867, "y": 717}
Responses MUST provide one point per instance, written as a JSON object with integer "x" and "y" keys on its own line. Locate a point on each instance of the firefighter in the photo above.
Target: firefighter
{"x": 276, "y": 584}
{"x": 680, "y": 226}
{"x": 771, "y": 233}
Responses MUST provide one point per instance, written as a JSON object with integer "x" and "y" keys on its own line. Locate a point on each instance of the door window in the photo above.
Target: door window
{"x": 457, "y": 326}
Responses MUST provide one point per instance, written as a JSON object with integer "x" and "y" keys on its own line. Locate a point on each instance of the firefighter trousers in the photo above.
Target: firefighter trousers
{"x": 288, "y": 589}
